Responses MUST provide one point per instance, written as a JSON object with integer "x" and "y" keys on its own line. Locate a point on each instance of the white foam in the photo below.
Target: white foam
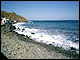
{"x": 59, "y": 40}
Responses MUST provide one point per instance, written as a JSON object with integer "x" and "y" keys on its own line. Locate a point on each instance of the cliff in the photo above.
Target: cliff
{"x": 13, "y": 16}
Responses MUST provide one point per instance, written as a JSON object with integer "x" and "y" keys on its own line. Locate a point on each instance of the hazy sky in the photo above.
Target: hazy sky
{"x": 43, "y": 10}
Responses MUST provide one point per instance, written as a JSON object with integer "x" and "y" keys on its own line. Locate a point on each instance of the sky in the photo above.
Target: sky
{"x": 43, "y": 10}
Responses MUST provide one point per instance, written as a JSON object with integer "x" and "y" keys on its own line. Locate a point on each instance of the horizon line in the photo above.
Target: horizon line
{"x": 50, "y": 20}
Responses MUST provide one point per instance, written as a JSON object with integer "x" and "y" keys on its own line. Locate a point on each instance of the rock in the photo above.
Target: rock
{"x": 41, "y": 36}
{"x": 27, "y": 50}
{"x": 22, "y": 34}
{"x": 23, "y": 29}
{"x": 18, "y": 28}
{"x": 38, "y": 49}
{"x": 52, "y": 42}
{"x": 77, "y": 52}
{"x": 32, "y": 33}
{"x": 9, "y": 27}
{"x": 73, "y": 48}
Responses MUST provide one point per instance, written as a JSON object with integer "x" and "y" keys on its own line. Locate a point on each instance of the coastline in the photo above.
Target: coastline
{"x": 15, "y": 46}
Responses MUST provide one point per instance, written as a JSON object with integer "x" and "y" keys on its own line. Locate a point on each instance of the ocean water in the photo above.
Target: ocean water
{"x": 62, "y": 33}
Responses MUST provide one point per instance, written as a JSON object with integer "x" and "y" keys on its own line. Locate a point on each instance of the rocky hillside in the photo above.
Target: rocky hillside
{"x": 13, "y": 16}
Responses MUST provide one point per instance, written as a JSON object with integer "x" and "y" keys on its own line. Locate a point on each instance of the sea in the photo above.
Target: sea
{"x": 60, "y": 33}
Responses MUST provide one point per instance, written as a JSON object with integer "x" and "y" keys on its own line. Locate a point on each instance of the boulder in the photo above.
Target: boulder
{"x": 73, "y": 48}
{"x": 32, "y": 33}
{"x": 9, "y": 27}
{"x": 23, "y": 29}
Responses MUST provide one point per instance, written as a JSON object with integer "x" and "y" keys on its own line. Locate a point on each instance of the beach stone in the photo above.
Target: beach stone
{"x": 32, "y": 33}
{"x": 22, "y": 34}
{"x": 41, "y": 36}
{"x": 18, "y": 28}
{"x": 23, "y": 29}
{"x": 50, "y": 44}
{"x": 14, "y": 47}
{"x": 77, "y": 52}
{"x": 73, "y": 48}
{"x": 38, "y": 48}
{"x": 10, "y": 27}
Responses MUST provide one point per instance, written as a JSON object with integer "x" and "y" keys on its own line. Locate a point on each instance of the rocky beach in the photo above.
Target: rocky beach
{"x": 40, "y": 30}
{"x": 15, "y": 46}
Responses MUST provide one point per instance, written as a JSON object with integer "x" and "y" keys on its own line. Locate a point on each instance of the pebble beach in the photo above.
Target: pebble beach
{"x": 15, "y": 46}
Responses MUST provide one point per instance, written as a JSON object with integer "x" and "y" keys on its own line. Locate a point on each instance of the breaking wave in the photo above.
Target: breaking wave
{"x": 60, "y": 40}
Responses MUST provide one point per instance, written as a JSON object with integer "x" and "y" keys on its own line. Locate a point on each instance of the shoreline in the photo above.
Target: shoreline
{"x": 29, "y": 49}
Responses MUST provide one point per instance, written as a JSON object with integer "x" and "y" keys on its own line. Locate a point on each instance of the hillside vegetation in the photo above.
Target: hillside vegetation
{"x": 13, "y": 16}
